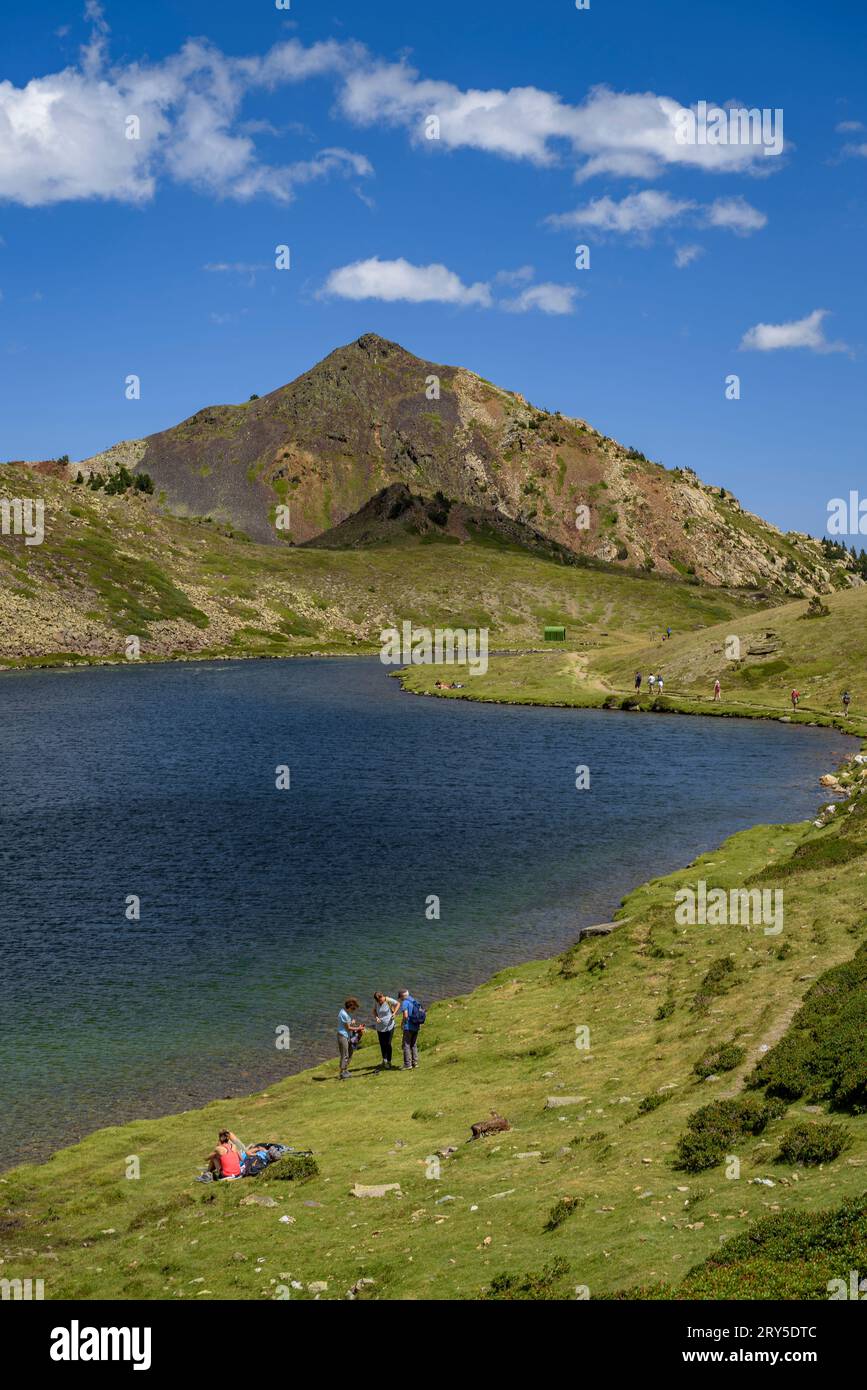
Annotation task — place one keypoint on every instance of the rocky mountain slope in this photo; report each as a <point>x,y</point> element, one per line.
<point>372,415</point>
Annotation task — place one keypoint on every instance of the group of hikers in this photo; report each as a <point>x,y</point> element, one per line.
<point>386,1012</point>
<point>655,687</point>
<point>654,683</point>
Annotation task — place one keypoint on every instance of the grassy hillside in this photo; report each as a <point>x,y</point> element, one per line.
<point>577,1194</point>
<point>820,656</point>
<point>111,566</point>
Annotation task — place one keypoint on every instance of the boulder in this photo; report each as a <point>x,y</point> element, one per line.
<point>376,1189</point>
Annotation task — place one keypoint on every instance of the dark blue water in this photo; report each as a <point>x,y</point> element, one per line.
<point>261,908</point>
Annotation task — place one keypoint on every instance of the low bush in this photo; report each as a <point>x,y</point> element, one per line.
<point>823,1055</point>
<point>538,1285</point>
<point>725,1057</point>
<point>813,1143</point>
<point>714,1129</point>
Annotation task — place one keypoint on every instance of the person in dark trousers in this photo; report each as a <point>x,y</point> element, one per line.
<point>405,1003</point>
<point>637,680</point>
<point>346,1029</point>
<point>384,1009</point>
<point>847,700</point>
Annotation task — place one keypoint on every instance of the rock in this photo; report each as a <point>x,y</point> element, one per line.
<point>319,1286</point>
<point>288,1220</point>
<point>828,780</point>
<point>445,1153</point>
<point>763,1182</point>
<point>376,1190</point>
<point>239,1256</point>
<point>553,1101</point>
<point>533,1153</point>
<point>254,1200</point>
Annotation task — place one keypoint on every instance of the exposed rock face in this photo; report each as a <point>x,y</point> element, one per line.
<point>361,420</point>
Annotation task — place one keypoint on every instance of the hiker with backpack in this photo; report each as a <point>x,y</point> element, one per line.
<point>413,1018</point>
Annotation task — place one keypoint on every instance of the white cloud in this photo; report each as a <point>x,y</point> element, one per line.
<point>844,127</point>
<point>735,214</point>
<point>548,297</point>
<point>627,134</point>
<point>400,280</point>
<point>639,214</point>
<point>807,332</point>
<point>63,136</point>
<point>859,151</point>
<point>685,255</point>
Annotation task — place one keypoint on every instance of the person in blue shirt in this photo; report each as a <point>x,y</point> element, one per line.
<point>346,1027</point>
<point>404,1006</point>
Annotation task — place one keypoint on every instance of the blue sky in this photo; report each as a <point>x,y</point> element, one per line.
<point>305,127</point>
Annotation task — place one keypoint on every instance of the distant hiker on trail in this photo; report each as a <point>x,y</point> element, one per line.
<point>717,690</point>
<point>413,1017</point>
<point>637,680</point>
<point>659,684</point>
<point>384,1009</point>
<point>668,633</point>
<point>347,1028</point>
<point>651,684</point>
<point>847,700</point>
<point>796,695</point>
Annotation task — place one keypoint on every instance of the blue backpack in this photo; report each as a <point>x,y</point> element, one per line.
<point>417,1014</point>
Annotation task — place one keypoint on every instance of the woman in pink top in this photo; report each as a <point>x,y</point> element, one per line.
<point>225,1161</point>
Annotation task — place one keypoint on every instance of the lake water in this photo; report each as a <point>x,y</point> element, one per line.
<point>262,908</point>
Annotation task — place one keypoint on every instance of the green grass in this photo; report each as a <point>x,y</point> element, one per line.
<point>595,1200</point>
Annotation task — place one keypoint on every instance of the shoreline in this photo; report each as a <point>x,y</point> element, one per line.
<point>588,931</point>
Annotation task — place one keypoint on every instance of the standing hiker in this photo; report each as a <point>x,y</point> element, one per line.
<point>384,1008</point>
<point>796,695</point>
<point>659,684</point>
<point>651,685</point>
<point>847,700</point>
<point>717,689</point>
<point>346,1029</point>
<point>637,681</point>
<point>413,1017</point>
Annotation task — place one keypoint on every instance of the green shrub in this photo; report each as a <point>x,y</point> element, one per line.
<point>716,981</point>
<point>813,1143</point>
<point>561,1210</point>
<point>725,1057</point>
<point>537,1285</point>
<point>291,1168</point>
<point>649,1103</point>
<point>665,1010</point>
<point>714,1129</point>
<point>823,1055</point>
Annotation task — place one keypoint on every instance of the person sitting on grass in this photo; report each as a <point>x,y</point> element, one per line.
<point>226,1160</point>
